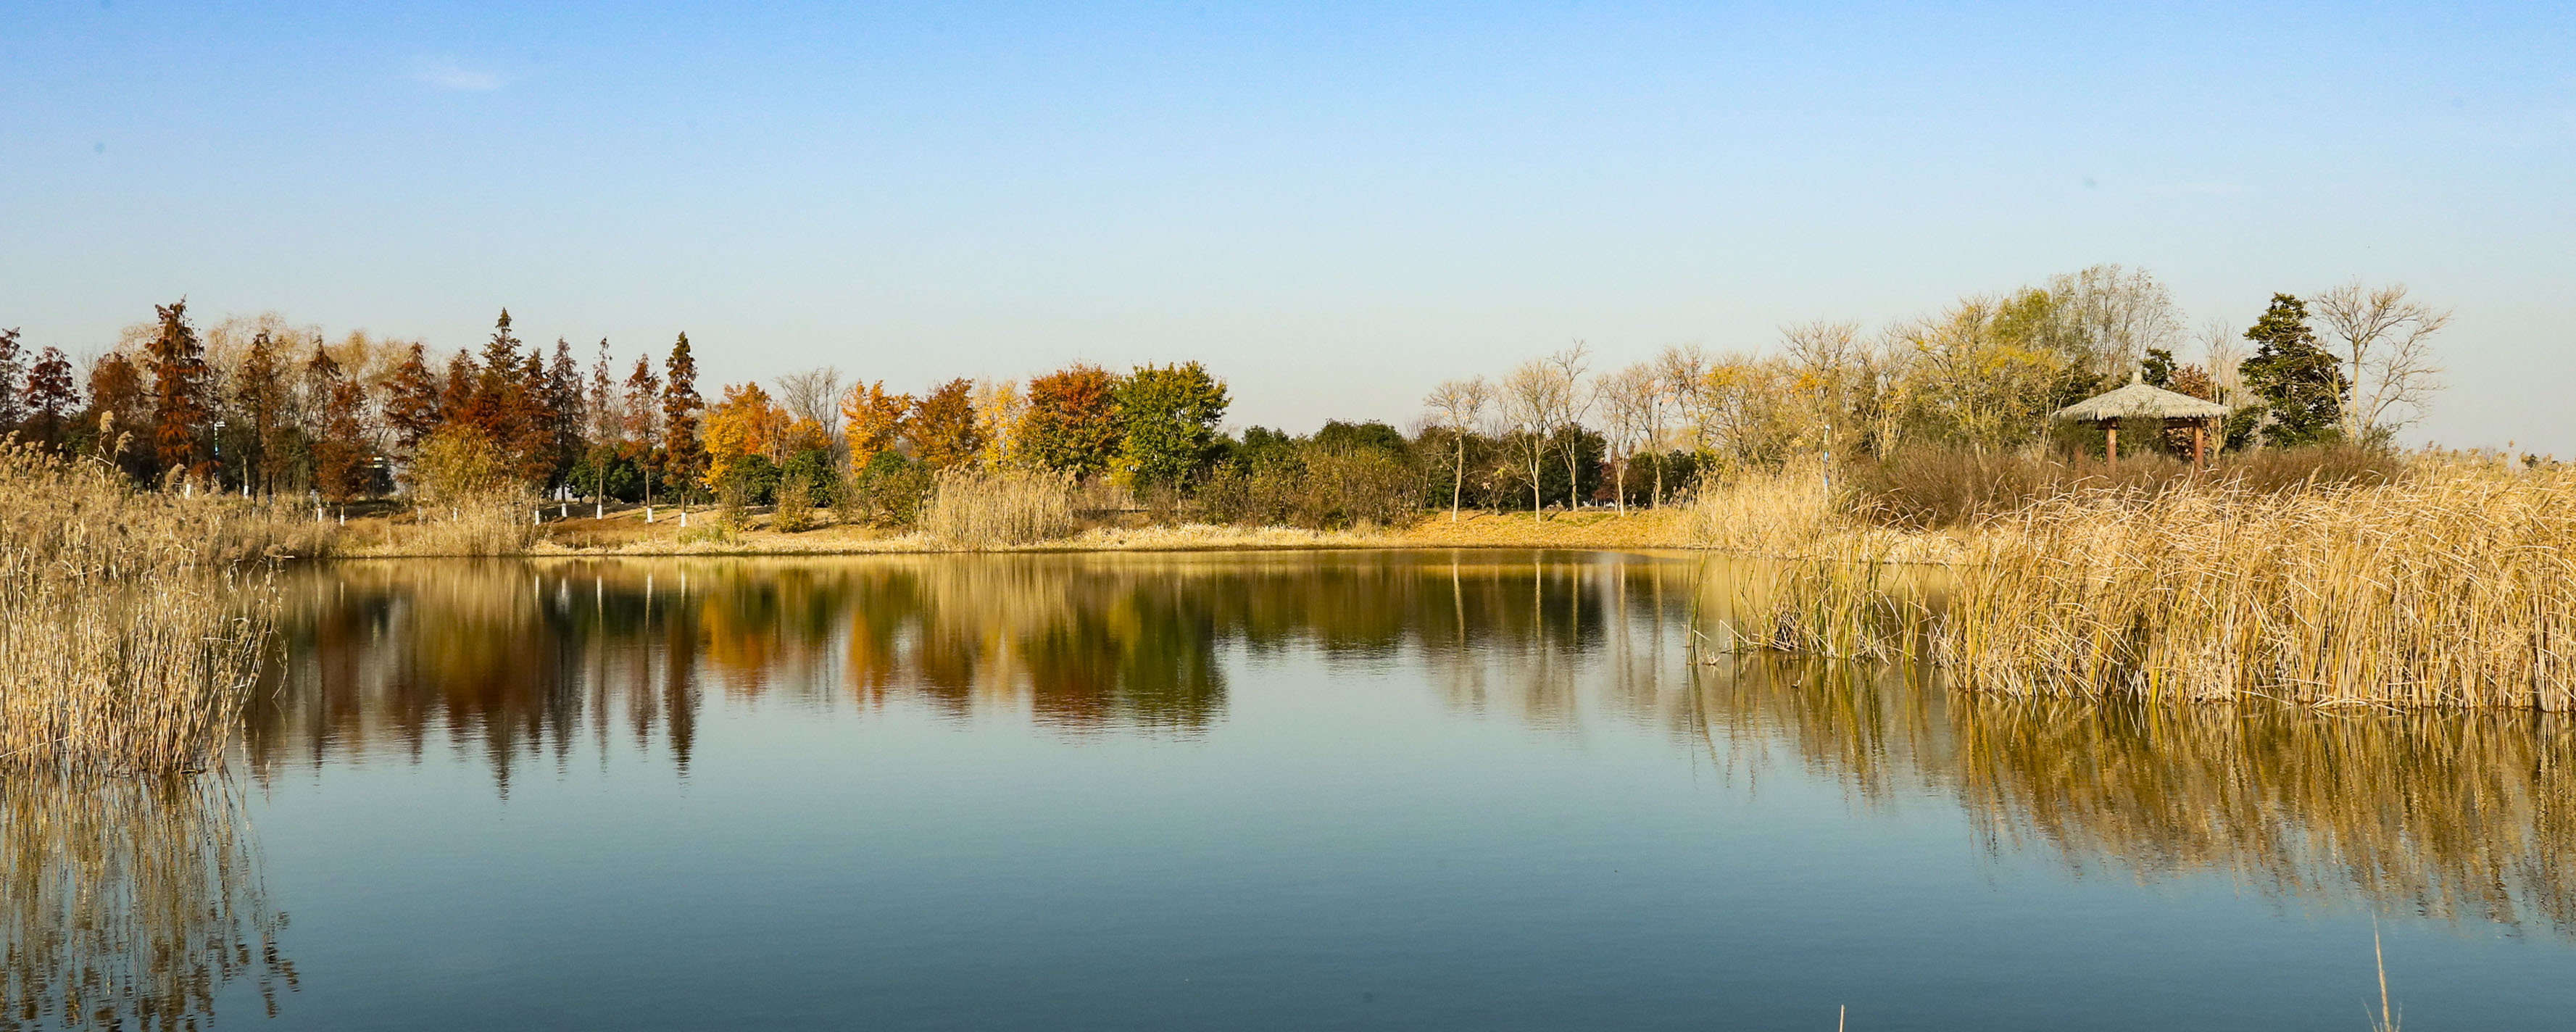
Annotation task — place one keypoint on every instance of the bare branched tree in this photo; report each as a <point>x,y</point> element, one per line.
<point>1628,403</point>
<point>2222,349</point>
<point>2115,315</point>
<point>1573,401</point>
<point>1458,406</point>
<point>2387,348</point>
<point>1531,396</point>
<point>815,394</point>
<point>1683,369</point>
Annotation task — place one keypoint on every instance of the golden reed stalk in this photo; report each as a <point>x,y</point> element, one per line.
<point>130,622</point>
<point>2453,585</point>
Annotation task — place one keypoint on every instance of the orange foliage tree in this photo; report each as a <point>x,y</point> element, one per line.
<point>944,432</point>
<point>744,422</point>
<point>872,420</point>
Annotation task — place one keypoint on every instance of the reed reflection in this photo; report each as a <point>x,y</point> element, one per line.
<point>2453,816</point>
<point>521,660</point>
<point>130,903</point>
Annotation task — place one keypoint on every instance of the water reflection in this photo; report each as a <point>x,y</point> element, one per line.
<point>518,660</point>
<point>131,903</point>
<point>2457,816</point>
<point>2452,816</point>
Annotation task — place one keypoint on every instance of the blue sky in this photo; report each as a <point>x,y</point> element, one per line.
<point>1334,207</point>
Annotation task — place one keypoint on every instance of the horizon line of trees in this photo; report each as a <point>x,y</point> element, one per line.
<point>265,407</point>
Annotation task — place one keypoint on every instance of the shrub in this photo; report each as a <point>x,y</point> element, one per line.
<point>1929,486</point>
<point>795,506</point>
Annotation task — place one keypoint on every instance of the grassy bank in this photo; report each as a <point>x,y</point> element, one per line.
<point>705,531</point>
<point>2438,581</point>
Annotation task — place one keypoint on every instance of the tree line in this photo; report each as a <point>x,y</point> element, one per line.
<point>264,407</point>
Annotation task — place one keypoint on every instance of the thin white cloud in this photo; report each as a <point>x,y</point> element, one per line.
<point>446,74</point>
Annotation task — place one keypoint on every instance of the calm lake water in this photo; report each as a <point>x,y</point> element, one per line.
<point>1476,790</point>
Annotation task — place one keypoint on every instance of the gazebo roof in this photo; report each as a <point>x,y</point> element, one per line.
<point>2137,400</point>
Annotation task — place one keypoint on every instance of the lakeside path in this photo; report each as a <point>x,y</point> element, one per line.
<point>628,535</point>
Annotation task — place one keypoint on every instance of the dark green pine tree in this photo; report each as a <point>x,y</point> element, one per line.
<point>2302,386</point>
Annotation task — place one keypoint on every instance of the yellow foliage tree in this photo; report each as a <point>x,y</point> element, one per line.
<point>872,420</point>
<point>745,423</point>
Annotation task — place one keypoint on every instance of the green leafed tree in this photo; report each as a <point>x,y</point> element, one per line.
<point>1169,415</point>
<point>2301,384</point>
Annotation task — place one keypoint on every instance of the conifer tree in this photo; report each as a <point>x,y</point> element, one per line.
<point>564,407</point>
<point>50,397</point>
<point>412,403</point>
<point>683,457</point>
<point>643,438</point>
<point>120,414</point>
<point>259,394</point>
<point>179,376</point>
<point>534,447</point>
<point>456,393</point>
<point>339,453</point>
<point>2301,384</point>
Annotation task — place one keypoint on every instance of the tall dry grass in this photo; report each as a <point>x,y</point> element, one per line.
<point>131,622</point>
<point>2454,586</point>
<point>502,523</point>
<point>984,509</point>
<point>2452,583</point>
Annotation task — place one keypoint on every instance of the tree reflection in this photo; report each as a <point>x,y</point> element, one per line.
<point>2458,815</point>
<point>518,660</point>
<point>131,903</point>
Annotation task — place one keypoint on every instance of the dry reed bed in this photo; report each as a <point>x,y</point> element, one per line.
<point>130,622</point>
<point>2293,801</point>
<point>2454,585</point>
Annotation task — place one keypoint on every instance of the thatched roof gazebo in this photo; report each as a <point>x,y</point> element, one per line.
<point>2139,401</point>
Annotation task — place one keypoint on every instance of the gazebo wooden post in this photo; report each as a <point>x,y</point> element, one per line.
<point>2111,441</point>
<point>2199,442</point>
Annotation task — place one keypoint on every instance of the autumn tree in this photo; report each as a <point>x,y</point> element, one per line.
<point>944,431</point>
<point>744,423</point>
<point>2301,384</point>
<point>643,410</point>
<point>412,403</point>
<point>1072,421</point>
<point>120,414</point>
<point>1169,416</point>
<point>493,405</point>
<point>179,382</point>
<point>999,407</point>
<point>260,398</point>
<point>564,408</point>
<point>340,452</point>
<point>50,397</point>
<point>872,421</point>
<point>683,455</point>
